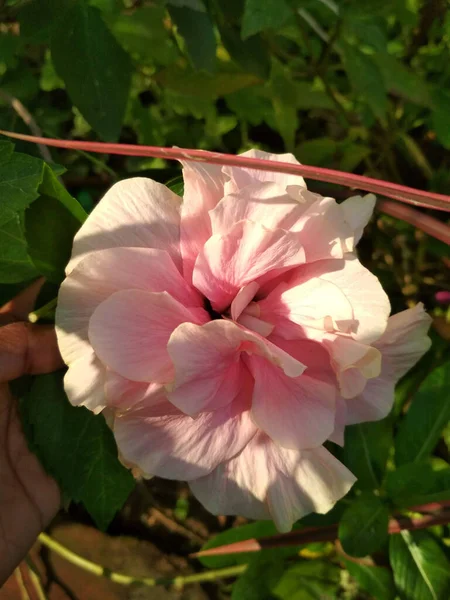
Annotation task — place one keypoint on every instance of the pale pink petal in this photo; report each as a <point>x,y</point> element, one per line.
<point>248,253</point>
<point>367,298</point>
<point>306,302</point>
<point>340,422</point>
<point>241,177</point>
<point>203,188</point>
<point>405,341</point>
<point>257,325</point>
<point>267,481</point>
<point>265,203</point>
<point>129,333</point>
<point>208,366</point>
<point>123,394</point>
<point>84,382</point>
<point>402,345</point>
<point>243,299</point>
<point>357,212</point>
<point>162,441</point>
<point>104,272</point>
<point>296,413</point>
<point>136,212</point>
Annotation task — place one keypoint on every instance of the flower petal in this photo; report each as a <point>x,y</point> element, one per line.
<point>208,366</point>
<point>267,481</point>
<point>123,394</point>
<point>357,212</point>
<point>136,212</point>
<point>84,383</point>
<point>402,345</point>
<point>101,274</point>
<point>163,441</point>
<point>240,177</point>
<point>249,252</point>
<point>296,413</point>
<point>129,333</point>
<point>203,188</point>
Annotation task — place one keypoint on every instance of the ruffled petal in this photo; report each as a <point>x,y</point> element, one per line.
<point>240,177</point>
<point>249,252</point>
<point>402,345</point>
<point>123,394</point>
<point>203,188</point>
<point>84,382</point>
<point>130,330</point>
<point>136,212</point>
<point>162,441</point>
<point>357,212</point>
<point>296,413</point>
<point>267,481</point>
<point>208,366</point>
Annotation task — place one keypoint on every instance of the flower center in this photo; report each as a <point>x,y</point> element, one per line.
<point>209,309</point>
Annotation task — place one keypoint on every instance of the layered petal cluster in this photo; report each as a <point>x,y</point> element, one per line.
<point>230,334</point>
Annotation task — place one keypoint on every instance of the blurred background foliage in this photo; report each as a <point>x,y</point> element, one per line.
<point>356,85</point>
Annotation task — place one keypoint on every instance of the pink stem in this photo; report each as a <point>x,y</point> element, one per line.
<point>392,190</point>
<point>430,225</point>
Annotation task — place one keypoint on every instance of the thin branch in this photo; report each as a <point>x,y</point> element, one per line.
<point>377,186</point>
<point>29,121</point>
<point>425,223</point>
<point>123,579</point>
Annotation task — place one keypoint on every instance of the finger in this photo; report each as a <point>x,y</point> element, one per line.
<point>19,307</point>
<point>27,349</point>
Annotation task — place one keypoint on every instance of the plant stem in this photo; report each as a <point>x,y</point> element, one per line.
<point>45,310</point>
<point>123,579</point>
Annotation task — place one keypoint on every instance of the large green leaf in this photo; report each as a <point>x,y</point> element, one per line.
<point>421,569</point>
<point>366,450</point>
<point>365,78</point>
<point>284,100</point>
<point>51,186</point>
<point>308,580</point>
<point>413,484</point>
<point>363,527</point>
<point>94,67</point>
<point>197,30</point>
<point>15,263</point>
<point>50,229</point>
<point>20,176</point>
<point>262,574</point>
<point>426,418</point>
<point>77,448</point>
<point>378,581</point>
<point>401,81</point>
<point>251,55</point>
<point>260,16</point>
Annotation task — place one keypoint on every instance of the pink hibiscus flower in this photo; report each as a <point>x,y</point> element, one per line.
<point>229,335</point>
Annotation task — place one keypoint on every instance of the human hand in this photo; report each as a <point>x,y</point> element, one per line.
<point>29,498</point>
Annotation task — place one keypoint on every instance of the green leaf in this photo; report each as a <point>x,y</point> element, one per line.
<point>310,98</point>
<point>94,67</point>
<point>284,101</point>
<point>378,581</point>
<point>440,116</point>
<point>251,55</point>
<point>262,574</point>
<point>20,176</point>
<point>308,580</point>
<point>196,28</point>
<point>426,418</point>
<point>36,18</point>
<point>421,570</point>
<point>15,264</point>
<point>260,16</point>
<point>230,536</point>
<point>366,450</point>
<point>193,4</point>
<point>319,151</point>
<point>414,484</point>
<point>52,187</point>
<point>143,35</point>
<point>202,85</point>
<point>50,229</point>
<point>77,448</point>
<point>366,79</point>
<point>400,81</point>
<point>363,528</point>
